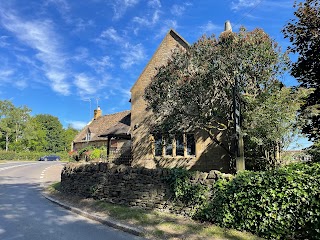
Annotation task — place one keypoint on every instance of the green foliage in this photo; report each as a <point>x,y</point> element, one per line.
<point>270,125</point>
<point>303,32</point>
<point>68,135</point>
<point>276,204</point>
<point>96,153</point>
<point>186,192</point>
<point>21,156</point>
<point>207,72</point>
<point>314,151</point>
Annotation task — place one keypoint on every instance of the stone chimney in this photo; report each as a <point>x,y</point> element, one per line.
<point>97,113</point>
<point>227,26</point>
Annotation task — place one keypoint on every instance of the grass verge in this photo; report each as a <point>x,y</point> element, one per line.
<point>154,224</point>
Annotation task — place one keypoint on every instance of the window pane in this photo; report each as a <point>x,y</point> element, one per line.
<point>179,145</point>
<point>158,145</point>
<point>168,141</point>
<point>191,145</point>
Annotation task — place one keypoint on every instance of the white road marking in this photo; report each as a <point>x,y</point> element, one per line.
<point>21,165</point>
<point>42,175</point>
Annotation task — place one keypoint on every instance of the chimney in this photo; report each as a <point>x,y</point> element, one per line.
<point>227,26</point>
<point>97,113</point>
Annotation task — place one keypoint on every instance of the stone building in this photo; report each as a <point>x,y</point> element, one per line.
<point>111,131</point>
<point>191,150</point>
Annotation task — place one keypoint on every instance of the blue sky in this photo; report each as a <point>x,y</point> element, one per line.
<point>62,57</point>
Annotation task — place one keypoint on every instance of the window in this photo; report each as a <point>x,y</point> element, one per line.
<point>178,145</point>
<point>168,145</point>
<point>191,145</point>
<point>88,136</point>
<point>158,145</point>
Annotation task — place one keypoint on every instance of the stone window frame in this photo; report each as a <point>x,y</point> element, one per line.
<point>156,137</point>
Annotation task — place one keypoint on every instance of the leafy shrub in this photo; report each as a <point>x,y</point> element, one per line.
<point>186,192</point>
<point>95,154</point>
<point>27,155</point>
<point>278,204</point>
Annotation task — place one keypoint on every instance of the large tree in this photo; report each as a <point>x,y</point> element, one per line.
<point>194,90</point>
<point>12,122</point>
<point>69,134</point>
<point>304,33</point>
<point>54,132</point>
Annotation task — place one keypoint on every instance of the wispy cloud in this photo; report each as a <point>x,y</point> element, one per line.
<point>121,6</point>
<point>133,55</point>
<point>40,36</point>
<point>77,124</point>
<point>178,10</point>
<point>85,84</point>
<point>61,5</point>
<point>244,4</point>
<point>112,34</point>
<point>154,3</point>
<point>81,54</point>
<point>148,21</point>
<point>3,41</point>
<point>21,84</point>
<point>6,74</point>
<point>100,65</point>
<point>209,28</point>
<point>130,53</point>
<point>167,24</point>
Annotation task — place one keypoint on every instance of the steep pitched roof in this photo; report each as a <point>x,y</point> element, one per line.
<point>101,125</point>
<point>122,128</point>
<point>173,34</point>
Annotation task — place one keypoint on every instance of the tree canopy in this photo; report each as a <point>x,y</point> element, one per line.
<point>304,33</point>
<point>21,132</point>
<point>194,90</point>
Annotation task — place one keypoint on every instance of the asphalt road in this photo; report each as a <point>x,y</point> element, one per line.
<point>26,214</point>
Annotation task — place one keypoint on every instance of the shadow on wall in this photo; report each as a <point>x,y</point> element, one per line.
<point>210,156</point>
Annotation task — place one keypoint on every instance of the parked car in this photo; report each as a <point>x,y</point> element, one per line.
<point>50,158</point>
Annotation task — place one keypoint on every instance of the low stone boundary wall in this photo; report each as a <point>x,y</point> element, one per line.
<point>137,187</point>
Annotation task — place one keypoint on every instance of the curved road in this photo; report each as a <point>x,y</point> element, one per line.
<point>25,214</point>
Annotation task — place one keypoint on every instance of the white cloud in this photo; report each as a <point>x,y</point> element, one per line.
<point>4,73</point>
<point>132,55</point>
<point>177,9</point>
<point>40,36</point>
<point>21,84</point>
<point>81,54</point>
<point>147,21</point>
<point>85,84</point>
<point>77,124</point>
<point>3,41</point>
<point>112,34</point>
<point>210,28</point>
<point>100,64</point>
<point>244,4</point>
<point>168,24</point>
<point>154,3</point>
<point>61,5</point>
<point>121,6</point>
<point>81,25</point>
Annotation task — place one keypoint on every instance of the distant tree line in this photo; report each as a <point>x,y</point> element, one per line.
<point>19,131</point>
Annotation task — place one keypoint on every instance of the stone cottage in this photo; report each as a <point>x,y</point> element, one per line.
<point>191,150</point>
<point>111,131</point>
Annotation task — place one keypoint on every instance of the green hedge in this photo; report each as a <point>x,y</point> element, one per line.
<point>28,156</point>
<point>277,204</point>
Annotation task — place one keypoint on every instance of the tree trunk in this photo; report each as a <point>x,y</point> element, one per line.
<point>7,142</point>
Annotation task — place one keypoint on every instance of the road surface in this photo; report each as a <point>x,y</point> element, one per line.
<point>26,214</point>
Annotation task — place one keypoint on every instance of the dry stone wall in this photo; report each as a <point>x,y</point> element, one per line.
<point>136,187</point>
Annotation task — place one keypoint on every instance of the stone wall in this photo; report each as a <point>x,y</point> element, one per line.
<point>137,187</point>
